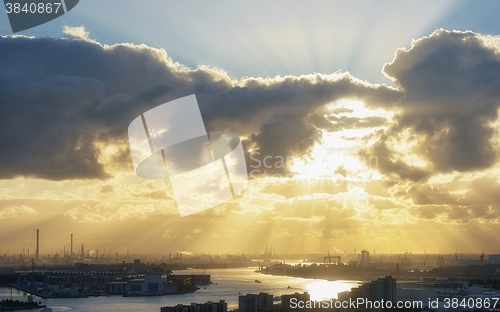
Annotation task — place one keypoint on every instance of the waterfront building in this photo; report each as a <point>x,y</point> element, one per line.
<point>209,306</point>
<point>382,288</point>
<point>416,294</point>
<point>285,299</point>
<point>255,302</point>
<point>386,289</point>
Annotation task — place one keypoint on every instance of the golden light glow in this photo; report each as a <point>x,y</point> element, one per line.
<point>338,152</point>
<point>327,289</point>
<point>356,108</point>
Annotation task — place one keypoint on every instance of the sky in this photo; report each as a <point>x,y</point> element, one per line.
<point>368,125</point>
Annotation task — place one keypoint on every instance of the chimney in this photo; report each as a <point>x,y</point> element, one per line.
<point>37,244</point>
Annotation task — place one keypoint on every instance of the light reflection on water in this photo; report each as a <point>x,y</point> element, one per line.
<point>230,283</point>
<point>321,289</point>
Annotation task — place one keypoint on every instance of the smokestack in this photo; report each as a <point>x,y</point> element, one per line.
<point>71,248</point>
<point>37,244</point>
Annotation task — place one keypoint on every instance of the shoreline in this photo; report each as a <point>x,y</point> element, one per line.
<point>22,308</point>
<point>34,293</point>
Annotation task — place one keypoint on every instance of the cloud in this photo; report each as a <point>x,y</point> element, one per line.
<point>455,198</point>
<point>339,123</point>
<point>85,214</point>
<point>451,86</point>
<point>297,188</point>
<point>383,203</point>
<point>15,211</point>
<point>76,32</point>
<point>313,208</point>
<point>107,188</point>
<point>66,101</point>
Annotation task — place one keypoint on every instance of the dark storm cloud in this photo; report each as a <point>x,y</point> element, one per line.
<point>393,167</point>
<point>451,85</point>
<point>60,96</point>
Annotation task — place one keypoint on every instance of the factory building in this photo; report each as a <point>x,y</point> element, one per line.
<point>116,288</point>
<point>136,286</point>
<point>152,283</point>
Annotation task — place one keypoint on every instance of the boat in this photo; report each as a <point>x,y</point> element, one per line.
<point>46,309</point>
<point>257,281</point>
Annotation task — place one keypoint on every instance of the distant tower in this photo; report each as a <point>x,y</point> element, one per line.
<point>71,248</point>
<point>365,257</point>
<point>83,255</point>
<point>37,257</point>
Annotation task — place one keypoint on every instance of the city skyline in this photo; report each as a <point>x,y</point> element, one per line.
<point>83,251</point>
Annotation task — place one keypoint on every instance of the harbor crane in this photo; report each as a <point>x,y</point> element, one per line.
<point>339,259</point>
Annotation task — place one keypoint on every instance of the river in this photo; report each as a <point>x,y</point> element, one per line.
<point>228,284</point>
